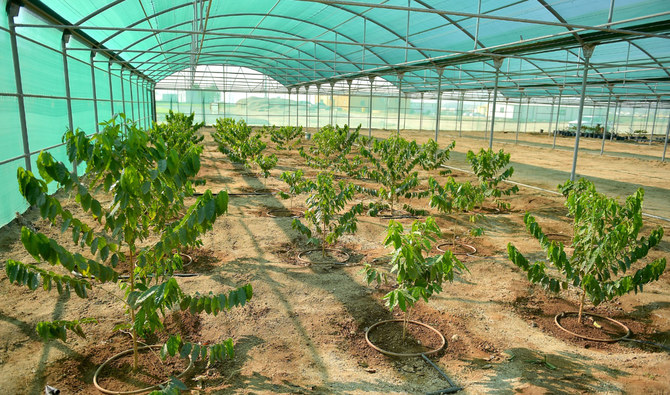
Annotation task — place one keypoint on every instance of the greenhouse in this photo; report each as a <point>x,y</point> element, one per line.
<point>335,196</point>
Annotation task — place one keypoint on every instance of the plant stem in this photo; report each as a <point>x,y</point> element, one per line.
<point>404,325</point>
<point>581,306</point>
<point>132,313</point>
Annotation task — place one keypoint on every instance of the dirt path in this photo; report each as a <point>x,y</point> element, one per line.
<point>303,332</point>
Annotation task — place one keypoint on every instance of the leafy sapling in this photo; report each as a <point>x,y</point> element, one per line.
<point>491,170</point>
<point>393,164</point>
<point>179,131</point>
<point>286,137</point>
<point>606,247</point>
<point>326,210</point>
<point>457,197</point>
<point>418,276</point>
<point>143,179</point>
<point>330,150</point>
<point>295,181</point>
<point>265,163</point>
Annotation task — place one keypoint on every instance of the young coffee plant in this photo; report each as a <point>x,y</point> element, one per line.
<point>418,276</point>
<point>142,179</point>
<point>330,150</point>
<point>392,163</point>
<point>295,181</point>
<point>178,132</point>
<point>456,197</point>
<point>237,141</point>
<point>606,246</point>
<point>326,212</point>
<point>286,137</point>
<point>265,163</point>
<point>491,169</point>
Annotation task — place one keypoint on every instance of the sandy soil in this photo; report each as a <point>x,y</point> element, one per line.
<point>304,330</point>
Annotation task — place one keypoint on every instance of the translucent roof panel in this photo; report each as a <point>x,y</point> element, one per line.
<point>299,43</point>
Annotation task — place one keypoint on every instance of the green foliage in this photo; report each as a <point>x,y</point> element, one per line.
<point>491,169</point>
<point>58,329</point>
<point>147,181</point>
<point>454,196</point>
<point>606,246</point>
<point>331,146</point>
<point>266,163</point>
<point>179,132</point>
<point>392,165</point>
<point>236,140</point>
<point>286,137</point>
<point>326,209</point>
<point>418,276</point>
<point>295,181</point>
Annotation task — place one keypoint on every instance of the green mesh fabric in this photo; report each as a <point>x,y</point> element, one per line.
<point>299,43</point>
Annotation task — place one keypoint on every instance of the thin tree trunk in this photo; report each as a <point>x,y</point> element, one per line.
<point>581,307</point>
<point>132,313</point>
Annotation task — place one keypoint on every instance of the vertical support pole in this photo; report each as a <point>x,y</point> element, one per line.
<point>518,118</point>
<point>246,107</point>
<point>440,71</point>
<point>486,123</point>
<point>130,85</point>
<point>154,114</point>
<point>665,145</point>
<point>632,119</point>
<point>646,121</point>
<point>558,114</point>
<point>525,124</point>
<point>306,108</point>
<point>653,124</point>
<point>617,111</point>
<point>318,106</point>
<point>95,95</point>
<point>460,115</point>
<point>497,62</point>
<point>372,79</point>
<point>297,106</point>
<point>123,93</point>
<point>400,75</point>
<point>607,117</point>
<point>137,92</point>
<point>202,107</point>
<point>12,12</point>
<point>66,75</point>
<point>288,123</point>
<point>111,88</point>
<point>587,52</point>
<point>332,102</point>
<point>421,113</point>
<point>551,115</point>
<point>223,89</point>
<point>349,81</point>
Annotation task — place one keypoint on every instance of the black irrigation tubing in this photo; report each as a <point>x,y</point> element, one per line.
<point>239,194</point>
<point>546,190</point>
<point>662,346</point>
<point>126,276</point>
<point>452,387</point>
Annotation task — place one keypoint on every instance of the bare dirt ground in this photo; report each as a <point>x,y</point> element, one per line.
<point>303,332</point>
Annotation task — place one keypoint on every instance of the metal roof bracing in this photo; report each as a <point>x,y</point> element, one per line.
<point>409,43</point>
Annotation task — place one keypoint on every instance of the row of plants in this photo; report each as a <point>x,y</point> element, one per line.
<point>132,212</point>
<point>606,243</point>
<point>393,164</point>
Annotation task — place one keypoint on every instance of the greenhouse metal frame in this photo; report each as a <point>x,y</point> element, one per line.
<point>71,64</point>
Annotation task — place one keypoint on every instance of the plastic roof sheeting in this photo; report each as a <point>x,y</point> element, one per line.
<point>302,42</point>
